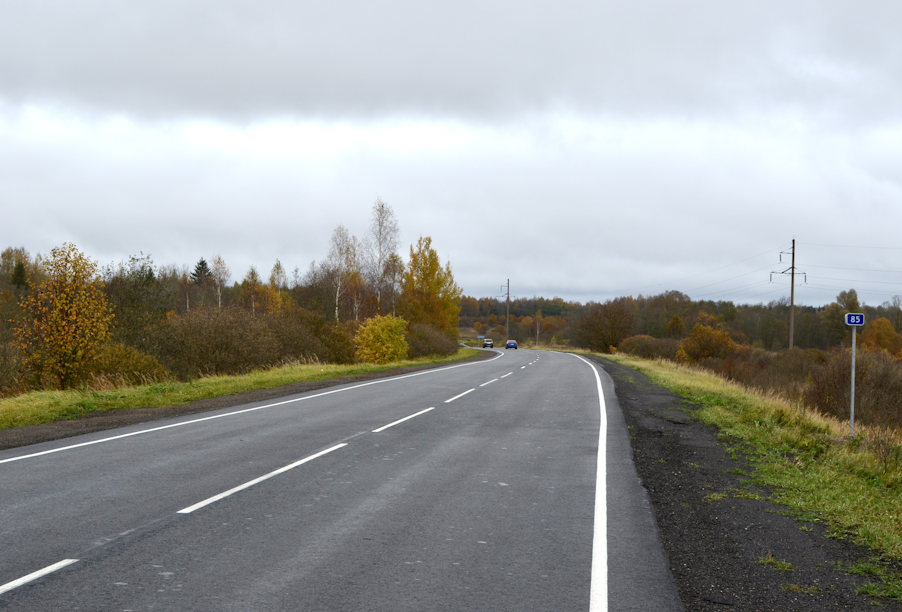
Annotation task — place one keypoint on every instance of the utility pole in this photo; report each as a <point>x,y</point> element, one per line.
<point>507,317</point>
<point>791,271</point>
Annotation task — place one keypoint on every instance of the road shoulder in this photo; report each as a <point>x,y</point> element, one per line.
<point>726,544</point>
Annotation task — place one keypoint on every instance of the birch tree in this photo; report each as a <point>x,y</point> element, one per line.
<point>379,244</point>
<point>342,263</point>
<point>220,273</point>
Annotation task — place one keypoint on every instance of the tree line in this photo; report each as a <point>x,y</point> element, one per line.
<point>66,321</point>
<point>672,314</point>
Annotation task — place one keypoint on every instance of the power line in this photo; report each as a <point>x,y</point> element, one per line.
<point>854,269</point>
<point>856,280</point>
<point>708,272</point>
<point>850,246</point>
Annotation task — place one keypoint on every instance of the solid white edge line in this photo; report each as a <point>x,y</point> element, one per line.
<point>251,483</point>
<point>9,586</point>
<point>488,383</point>
<point>384,427</point>
<point>598,591</point>
<point>448,401</point>
<point>219,416</point>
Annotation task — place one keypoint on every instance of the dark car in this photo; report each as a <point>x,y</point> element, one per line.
<point>511,344</point>
<point>488,343</point>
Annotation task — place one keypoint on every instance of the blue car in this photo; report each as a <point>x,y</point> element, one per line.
<point>511,344</point>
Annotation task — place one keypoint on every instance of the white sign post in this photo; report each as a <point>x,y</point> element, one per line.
<point>854,320</point>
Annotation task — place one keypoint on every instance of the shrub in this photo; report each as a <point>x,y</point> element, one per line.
<point>381,340</point>
<point>707,340</point>
<point>10,366</point>
<point>878,387</point>
<point>233,340</point>
<point>650,348</point>
<point>127,365</point>
<point>424,339</point>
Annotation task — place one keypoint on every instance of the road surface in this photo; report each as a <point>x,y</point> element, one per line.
<point>505,484</point>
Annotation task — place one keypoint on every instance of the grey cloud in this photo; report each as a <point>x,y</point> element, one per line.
<point>242,60</point>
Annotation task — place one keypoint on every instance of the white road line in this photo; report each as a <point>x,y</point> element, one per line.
<point>598,590</point>
<point>448,401</point>
<point>228,414</point>
<point>506,375</point>
<point>384,427</point>
<point>251,483</point>
<point>488,383</point>
<point>522,367</point>
<point>9,586</point>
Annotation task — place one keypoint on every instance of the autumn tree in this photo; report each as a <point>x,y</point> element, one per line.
<point>380,243</point>
<point>708,339</point>
<point>879,334</point>
<point>428,292</point>
<point>676,327</point>
<point>138,298</point>
<point>67,319</point>
<point>255,296</point>
<point>278,279</point>
<point>342,263</point>
<point>606,325</point>
<point>220,274</point>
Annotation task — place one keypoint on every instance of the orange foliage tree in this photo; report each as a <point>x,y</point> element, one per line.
<point>708,339</point>
<point>880,334</point>
<point>66,319</point>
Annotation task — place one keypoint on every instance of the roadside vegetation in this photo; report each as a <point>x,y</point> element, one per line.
<point>39,407</point>
<point>75,337</point>
<point>803,455</point>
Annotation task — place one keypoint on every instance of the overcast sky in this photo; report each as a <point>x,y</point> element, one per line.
<point>582,149</point>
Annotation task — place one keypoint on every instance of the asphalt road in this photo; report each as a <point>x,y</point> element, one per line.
<point>479,486</point>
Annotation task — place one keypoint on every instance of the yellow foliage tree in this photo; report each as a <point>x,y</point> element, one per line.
<point>381,340</point>
<point>708,339</point>
<point>428,292</point>
<point>66,318</point>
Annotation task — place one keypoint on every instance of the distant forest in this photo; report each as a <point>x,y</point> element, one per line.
<point>673,314</point>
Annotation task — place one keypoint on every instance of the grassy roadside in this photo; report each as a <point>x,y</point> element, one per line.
<point>49,406</point>
<point>804,457</point>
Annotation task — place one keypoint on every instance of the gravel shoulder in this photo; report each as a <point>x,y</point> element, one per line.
<point>714,531</point>
<point>101,421</point>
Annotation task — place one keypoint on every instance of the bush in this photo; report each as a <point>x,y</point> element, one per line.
<point>124,365</point>
<point>10,368</point>
<point>878,387</point>
<point>707,340</point>
<point>233,340</point>
<point>381,340</point>
<point>424,340</point>
<point>650,348</point>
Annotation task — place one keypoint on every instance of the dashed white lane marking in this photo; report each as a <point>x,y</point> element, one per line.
<point>9,586</point>
<point>228,414</point>
<point>251,483</point>
<point>506,375</point>
<point>598,590</point>
<point>384,427</point>
<point>488,383</point>
<point>522,367</point>
<point>448,401</point>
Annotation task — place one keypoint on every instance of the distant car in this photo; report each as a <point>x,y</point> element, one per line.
<point>487,343</point>
<point>511,344</point>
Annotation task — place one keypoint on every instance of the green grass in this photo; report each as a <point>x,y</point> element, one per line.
<point>890,580</point>
<point>775,564</point>
<point>48,406</point>
<point>802,456</point>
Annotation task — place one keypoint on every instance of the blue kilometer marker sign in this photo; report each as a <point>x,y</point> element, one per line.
<point>854,318</point>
